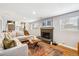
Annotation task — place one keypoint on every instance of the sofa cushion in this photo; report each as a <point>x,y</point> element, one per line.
<point>16,33</point>
<point>19,33</point>
<point>1,47</point>
<point>13,34</point>
<point>19,50</point>
<point>1,38</point>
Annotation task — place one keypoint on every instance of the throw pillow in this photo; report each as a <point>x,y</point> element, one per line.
<point>7,42</point>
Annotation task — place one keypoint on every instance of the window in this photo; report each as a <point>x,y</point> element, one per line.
<point>48,22</point>
<point>71,23</point>
<point>44,23</point>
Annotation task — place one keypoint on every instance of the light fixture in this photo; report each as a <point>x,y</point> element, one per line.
<point>24,17</point>
<point>34,12</point>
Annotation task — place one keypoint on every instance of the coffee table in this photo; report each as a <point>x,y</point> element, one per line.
<point>31,43</point>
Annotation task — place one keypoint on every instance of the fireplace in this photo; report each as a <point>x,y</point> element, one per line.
<point>47,34</point>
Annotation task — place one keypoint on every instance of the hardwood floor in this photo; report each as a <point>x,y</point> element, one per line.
<point>44,49</point>
<point>48,50</point>
<point>66,51</point>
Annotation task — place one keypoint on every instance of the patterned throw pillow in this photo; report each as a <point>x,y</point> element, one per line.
<point>8,42</point>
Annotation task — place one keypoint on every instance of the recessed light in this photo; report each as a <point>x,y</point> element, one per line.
<point>34,12</point>
<point>24,17</point>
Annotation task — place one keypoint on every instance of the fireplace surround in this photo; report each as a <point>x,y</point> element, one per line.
<point>47,34</point>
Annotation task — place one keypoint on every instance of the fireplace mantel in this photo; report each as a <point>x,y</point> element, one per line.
<point>47,27</point>
<point>47,33</point>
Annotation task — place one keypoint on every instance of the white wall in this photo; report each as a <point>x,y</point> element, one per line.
<point>68,38</point>
<point>16,18</point>
<point>35,28</point>
<point>0,24</point>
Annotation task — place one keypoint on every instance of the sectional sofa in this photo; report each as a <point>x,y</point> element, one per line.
<point>19,50</point>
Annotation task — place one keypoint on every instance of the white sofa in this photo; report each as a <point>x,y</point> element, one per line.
<point>30,37</point>
<point>19,50</point>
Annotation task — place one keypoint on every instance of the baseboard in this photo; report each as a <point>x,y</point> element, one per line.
<point>67,46</point>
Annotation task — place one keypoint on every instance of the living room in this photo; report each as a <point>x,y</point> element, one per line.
<point>39,29</point>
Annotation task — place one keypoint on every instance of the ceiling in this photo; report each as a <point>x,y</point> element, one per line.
<point>33,11</point>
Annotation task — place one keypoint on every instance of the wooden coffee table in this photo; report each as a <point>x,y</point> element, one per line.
<point>31,43</point>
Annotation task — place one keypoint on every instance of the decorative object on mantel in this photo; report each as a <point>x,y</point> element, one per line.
<point>8,42</point>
